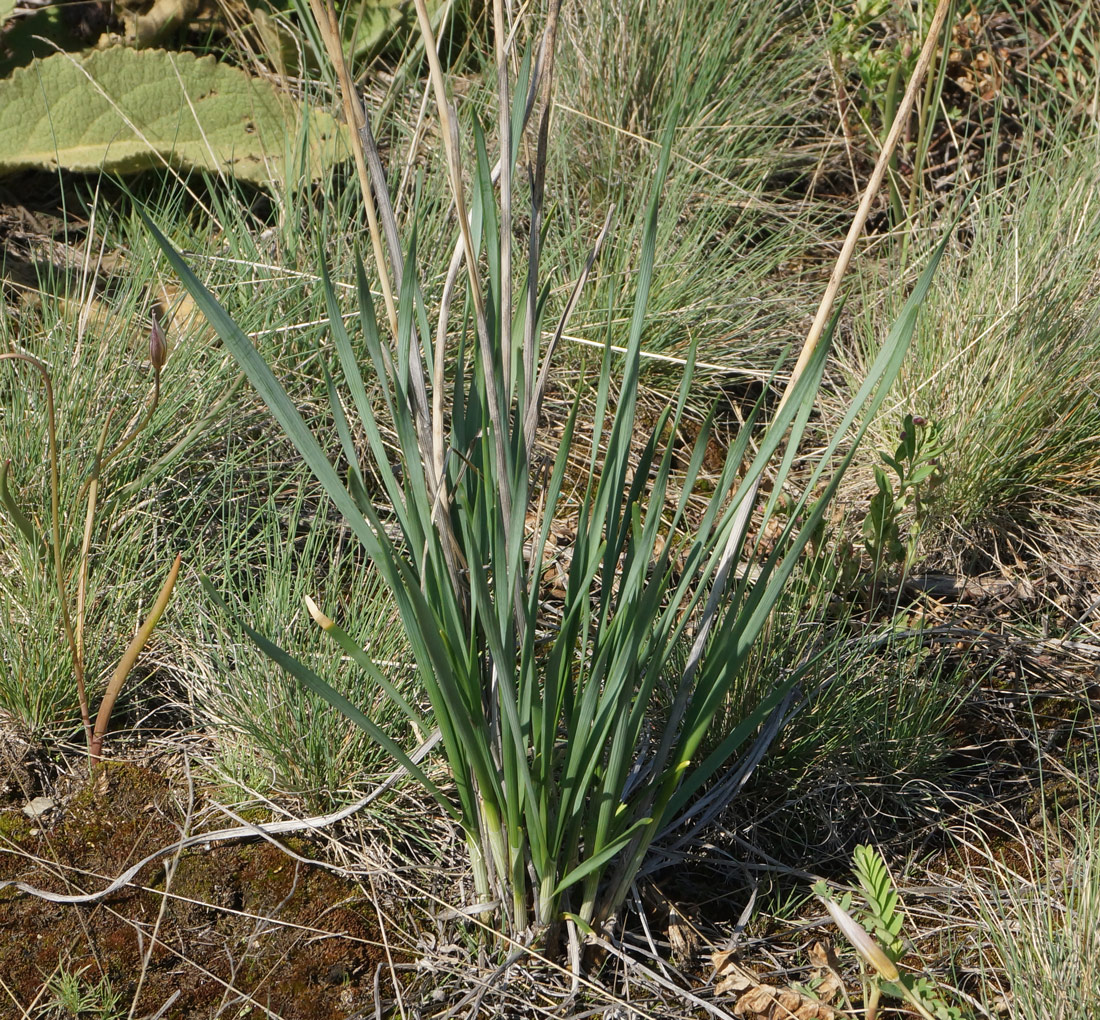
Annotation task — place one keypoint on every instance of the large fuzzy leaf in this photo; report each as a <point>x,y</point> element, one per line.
<point>366,26</point>
<point>126,110</point>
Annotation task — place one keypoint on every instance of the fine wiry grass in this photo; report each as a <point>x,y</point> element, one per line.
<point>94,342</point>
<point>1006,361</point>
<point>732,201</point>
<point>271,553</point>
<point>735,211</point>
<point>180,486</point>
<point>1038,901</point>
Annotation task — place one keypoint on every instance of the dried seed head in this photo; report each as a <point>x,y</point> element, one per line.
<point>158,343</point>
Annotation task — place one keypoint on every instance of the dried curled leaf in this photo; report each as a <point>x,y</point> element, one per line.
<point>766,1002</point>
<point>757,1000</point>
<point>825,978</point>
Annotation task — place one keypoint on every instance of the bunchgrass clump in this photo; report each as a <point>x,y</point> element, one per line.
<point>1006,362</point>
<point>1038,905</point>
<point>272,552</point>
<point>59,525</point>
<point>566,755</point>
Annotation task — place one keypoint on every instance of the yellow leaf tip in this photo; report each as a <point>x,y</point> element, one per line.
<point>319,618</point>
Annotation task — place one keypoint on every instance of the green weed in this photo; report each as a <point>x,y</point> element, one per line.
<point>917,465</point>
<point>877,937</point>
<point>558,803</point>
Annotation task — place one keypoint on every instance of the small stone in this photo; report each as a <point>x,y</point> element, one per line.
<point>39,806</point>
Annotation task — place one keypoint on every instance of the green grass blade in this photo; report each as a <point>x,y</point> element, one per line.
<point>357,654</point>
<point>598,860</point>
<point>270,390</point>
<point>311,681</point>
<point>19,519</point>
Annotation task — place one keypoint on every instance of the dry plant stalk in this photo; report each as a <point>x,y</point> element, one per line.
<point>74,624</point>
<point>874,183</point>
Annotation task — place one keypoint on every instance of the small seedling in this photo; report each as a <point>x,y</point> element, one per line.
<point>917,467</point>
<point>54,552</point>
<point>877,937</point>
<point>73,995</point>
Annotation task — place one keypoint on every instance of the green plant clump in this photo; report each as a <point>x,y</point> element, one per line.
<point>48,544</point>
<point>918,466</point>
<point>568,751</point>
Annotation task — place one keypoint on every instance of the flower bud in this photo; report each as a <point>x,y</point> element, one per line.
<point>158,344</point>
<point>919,420</point>
<point>866,946</point>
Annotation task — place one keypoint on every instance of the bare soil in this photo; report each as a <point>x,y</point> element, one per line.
<point>233,930</point>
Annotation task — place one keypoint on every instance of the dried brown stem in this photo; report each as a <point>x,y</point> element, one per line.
<point>126,663</point>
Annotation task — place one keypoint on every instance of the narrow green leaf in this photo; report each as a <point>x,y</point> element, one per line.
<point>272,392</point>
<point>597,861</point>
<point>342,429</point>
<point>923,472</point>
<point>359,656</point>
<point>19,519</point>
<point>732,643</point>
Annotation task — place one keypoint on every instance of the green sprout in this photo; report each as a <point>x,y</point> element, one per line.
<point>877,936</point>
<point>917,466</point>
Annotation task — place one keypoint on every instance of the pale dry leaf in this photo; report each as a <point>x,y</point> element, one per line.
<point>180,314</point>
<point>757,1000</point>
<point>735,979</point>
<point>828,985</point>
<point>163,17</point>
<point>766,1002</point>
<point>682,938</point>
<point>721,959</point>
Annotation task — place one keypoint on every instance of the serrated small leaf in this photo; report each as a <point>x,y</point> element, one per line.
<point>125,110</point>
<point>882,899</point>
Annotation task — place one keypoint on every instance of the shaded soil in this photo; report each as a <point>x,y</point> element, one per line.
<point>235,929</point>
